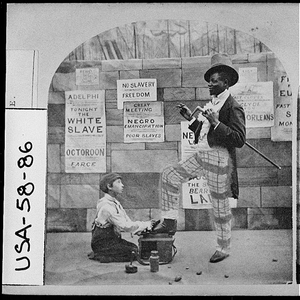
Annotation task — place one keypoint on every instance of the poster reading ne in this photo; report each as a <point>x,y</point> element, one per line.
<point>85,133</point>
<point>136,90</point>
<point>143,122</point>
<point>257,100</point>
<point>195,192</point>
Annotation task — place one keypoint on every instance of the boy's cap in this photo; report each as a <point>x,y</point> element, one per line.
<point>108,179</point>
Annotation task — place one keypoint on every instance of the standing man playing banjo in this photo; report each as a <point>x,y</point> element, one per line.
<point>219,130</point>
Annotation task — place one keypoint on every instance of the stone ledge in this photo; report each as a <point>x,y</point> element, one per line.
<point>165,77</point>
<point>66,220</point>
<point>270,218</point>
<point>276,196</point>
<point>119,64</point>
<point>137,161</point>
<point>161,63</point>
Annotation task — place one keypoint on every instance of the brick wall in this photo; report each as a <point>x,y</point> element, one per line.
<point>265,192</point>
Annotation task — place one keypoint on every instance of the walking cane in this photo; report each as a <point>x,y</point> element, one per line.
<point>198,108</point>
<point>261,154</point>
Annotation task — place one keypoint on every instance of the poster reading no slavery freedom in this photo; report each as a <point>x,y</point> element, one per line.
<point>85,133</point>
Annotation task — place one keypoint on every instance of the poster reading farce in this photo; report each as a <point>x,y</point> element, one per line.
<point>143,122</point>
<point>85,133</point>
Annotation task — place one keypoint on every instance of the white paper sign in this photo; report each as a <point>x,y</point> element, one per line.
<point>85,136</point>
<point>195,193</point>
<point>143,122</point>
<point>282,129</point>
<point>257,100</point>
<point>248,74</point>
<point>21,78</point>
<point>87,76</point>
<point>187,140</point>
<point>136,90</point>
<point>24,197</point>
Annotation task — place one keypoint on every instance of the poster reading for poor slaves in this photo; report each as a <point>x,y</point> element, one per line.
<point>143,122</point>
<point>136,90</point>
<point>195,193</point>
<point>85,133</point>
<point>257,100</point>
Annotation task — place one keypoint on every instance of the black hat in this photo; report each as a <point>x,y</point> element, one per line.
<point>108,179</point>
<point>222,63</point>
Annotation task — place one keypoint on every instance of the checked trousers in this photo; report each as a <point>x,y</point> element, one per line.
<point>215,165</point>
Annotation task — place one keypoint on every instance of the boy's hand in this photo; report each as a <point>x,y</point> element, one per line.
<point>154,223</point>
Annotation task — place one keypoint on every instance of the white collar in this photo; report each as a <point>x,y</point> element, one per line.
<point>222,96</point>
<point>109,197</point>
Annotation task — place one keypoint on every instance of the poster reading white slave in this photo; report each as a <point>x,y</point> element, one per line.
<point>85,133</point>
<point>257,100</point>
<point>143,122</point>
<point>282,129</point>
<point>136,90</point>
<point>195,193</point>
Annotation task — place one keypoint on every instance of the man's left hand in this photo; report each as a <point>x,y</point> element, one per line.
<point>211,116</point>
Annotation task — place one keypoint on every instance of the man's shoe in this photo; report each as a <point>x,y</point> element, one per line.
<point>218,256</point>
<point>167,226</point>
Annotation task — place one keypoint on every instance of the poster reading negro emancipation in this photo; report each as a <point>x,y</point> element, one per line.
<point>143,122</point>
<point>85,133</point>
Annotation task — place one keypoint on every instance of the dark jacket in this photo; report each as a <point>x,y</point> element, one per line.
<point>230,134</point>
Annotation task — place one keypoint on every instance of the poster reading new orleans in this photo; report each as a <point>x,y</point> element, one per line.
<point>257,100</point>
<point>85,133</point>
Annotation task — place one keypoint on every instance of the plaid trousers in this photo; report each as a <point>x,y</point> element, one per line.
<point>215,165</point>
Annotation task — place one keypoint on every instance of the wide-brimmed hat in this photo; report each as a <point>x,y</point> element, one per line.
<point>222,63</point>
<point>108,179</point>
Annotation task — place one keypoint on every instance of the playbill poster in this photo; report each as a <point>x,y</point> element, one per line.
<point>143,122</point>
<point>195,193</point>
<point>136,90</point>
<point>257,100</point>
<point>85,135</point>
<point>282,129</point>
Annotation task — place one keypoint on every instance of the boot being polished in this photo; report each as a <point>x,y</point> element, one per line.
<point>167,226</point>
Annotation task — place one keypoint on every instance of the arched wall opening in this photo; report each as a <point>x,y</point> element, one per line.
<point>176,53</point>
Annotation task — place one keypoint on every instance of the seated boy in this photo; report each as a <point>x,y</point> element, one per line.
<point>111,219</point>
